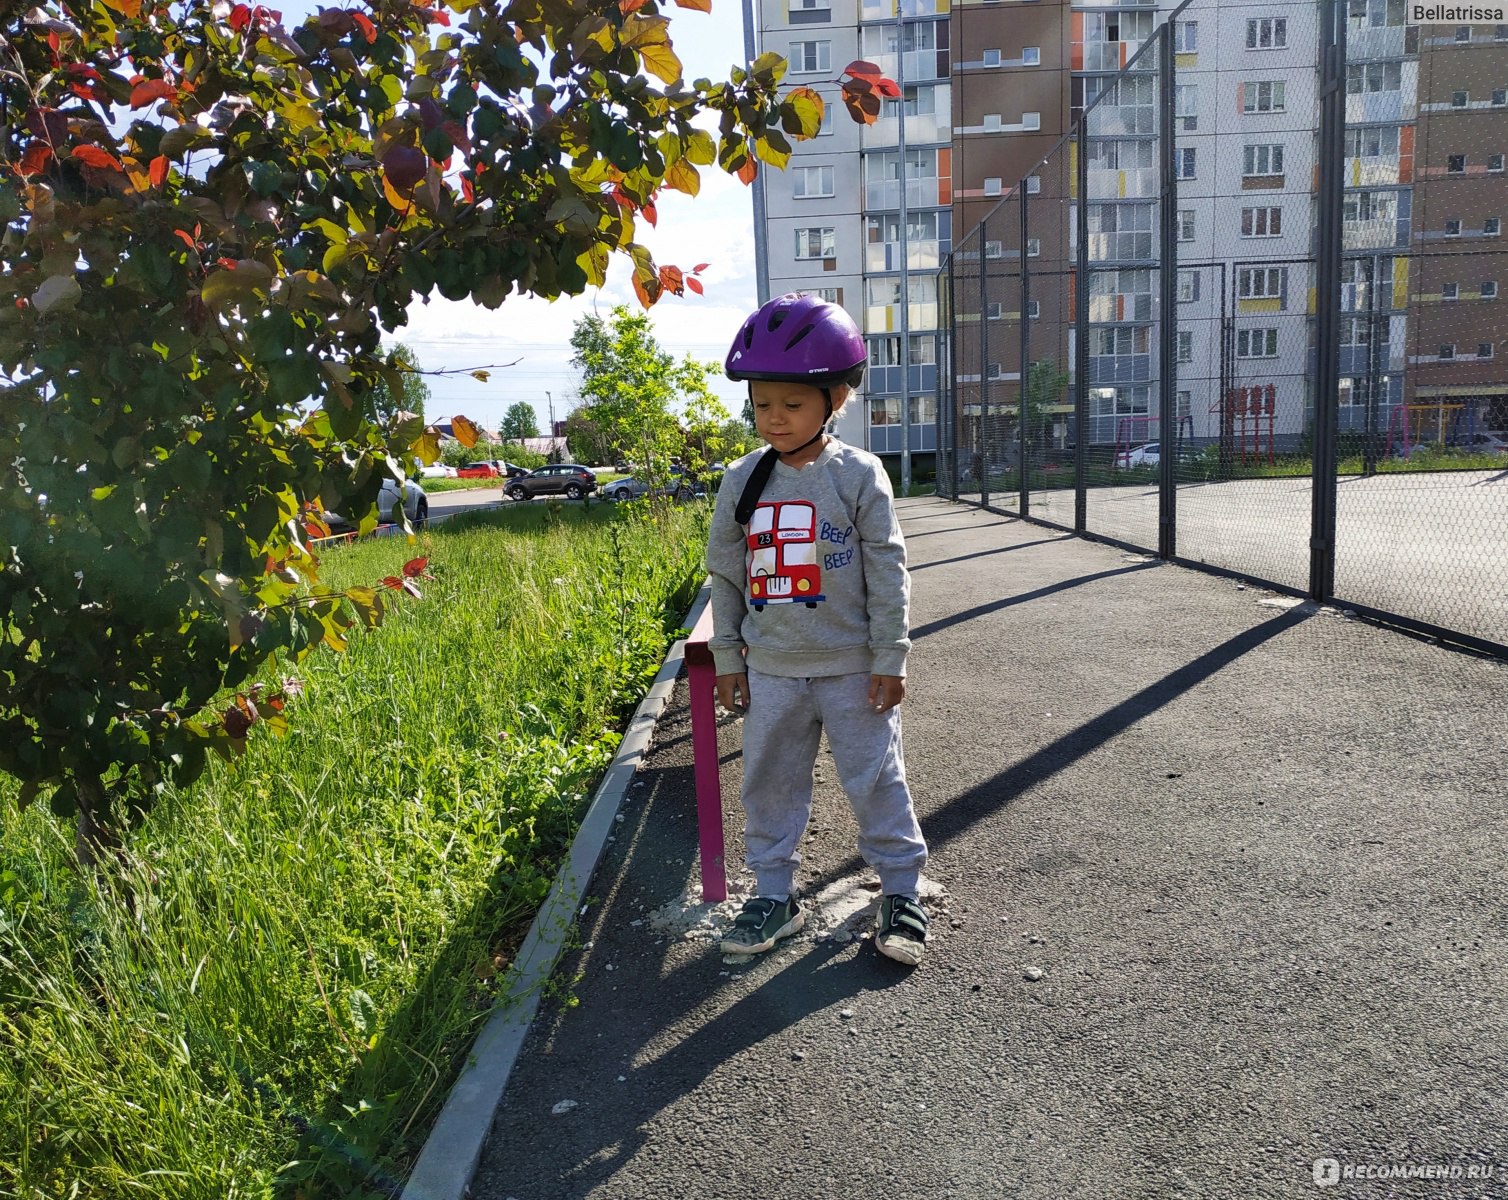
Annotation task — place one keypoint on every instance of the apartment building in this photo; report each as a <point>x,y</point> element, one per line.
<point>990,89</point>
<point>1456,383</point>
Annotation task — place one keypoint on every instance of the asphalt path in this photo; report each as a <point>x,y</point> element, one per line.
<point>1219,903</point>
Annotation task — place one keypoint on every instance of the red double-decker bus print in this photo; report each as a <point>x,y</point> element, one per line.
<point>782,542</point>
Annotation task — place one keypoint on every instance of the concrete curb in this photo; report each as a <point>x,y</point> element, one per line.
<point>448,1162</point>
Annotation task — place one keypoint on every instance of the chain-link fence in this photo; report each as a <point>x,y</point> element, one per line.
<point>1247,314</point>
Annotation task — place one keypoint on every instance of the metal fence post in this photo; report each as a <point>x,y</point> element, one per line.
<point>984,371</point>
<point>1167,407</point>
<point>1081,334</point>
<point>1328,251</point>
<point>1022,439</point>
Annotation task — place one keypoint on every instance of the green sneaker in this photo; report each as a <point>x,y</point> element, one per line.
<point>902,930</point>
<point>762,923</point>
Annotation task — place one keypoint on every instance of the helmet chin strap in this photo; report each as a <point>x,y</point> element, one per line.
<point>827,398</point>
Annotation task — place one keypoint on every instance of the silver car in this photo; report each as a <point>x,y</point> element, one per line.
<point>415,506</point>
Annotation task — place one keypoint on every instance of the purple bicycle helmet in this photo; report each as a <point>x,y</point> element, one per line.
<point>798,339</point>
<point>794,339</point>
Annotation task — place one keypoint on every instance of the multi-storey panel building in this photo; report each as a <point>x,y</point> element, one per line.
<point>991,87</point>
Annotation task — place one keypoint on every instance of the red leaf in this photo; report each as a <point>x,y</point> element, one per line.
<point>187,240</point>
<point>862,101</point>
<point>629,6</point>
<point>393,582</point>
<point>862,68</point>
<point>435,16</point>
<point>458,136</point>
<point>648,290</point>
<point>749,171</point>
<point>48,124</point>
<point>35,159</point>
<point>415,566</point>
<point>694,284</point>
<point>363,23</point>
<point>240,17</point>
<point>468,192</point>
<point>699,268</point>
<point>887,87</point>
<point>152,89</point>
<point>93,156</point>
<point>650,213</point>
<point>158,172</point>
<point>673,281</point>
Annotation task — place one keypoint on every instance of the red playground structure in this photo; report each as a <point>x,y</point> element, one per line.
<point>1248,422</point>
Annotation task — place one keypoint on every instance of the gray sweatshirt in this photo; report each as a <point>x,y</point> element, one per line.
<point>817,584</point>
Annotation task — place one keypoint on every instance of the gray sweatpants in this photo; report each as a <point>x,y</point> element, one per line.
<point>782,730</point>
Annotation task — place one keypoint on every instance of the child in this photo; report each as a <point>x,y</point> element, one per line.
<point>809,596</point>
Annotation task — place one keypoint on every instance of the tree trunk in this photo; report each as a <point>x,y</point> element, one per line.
<point>90,836</point>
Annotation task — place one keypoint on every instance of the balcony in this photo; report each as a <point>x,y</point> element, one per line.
<point>922,254</point>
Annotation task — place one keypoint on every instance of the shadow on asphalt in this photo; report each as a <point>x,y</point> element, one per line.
<point>968,809</point>
<point>985,610</point>
<point>943,562</point>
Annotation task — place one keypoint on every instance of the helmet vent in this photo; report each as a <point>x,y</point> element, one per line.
<point>749,334</point>
<point>800,333</point>
<point>777,318</point>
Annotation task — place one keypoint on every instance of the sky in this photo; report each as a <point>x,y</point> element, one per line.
<point>716,227</point>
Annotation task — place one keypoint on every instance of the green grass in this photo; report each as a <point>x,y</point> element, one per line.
<point>273,995</point>
<point>431,486</point>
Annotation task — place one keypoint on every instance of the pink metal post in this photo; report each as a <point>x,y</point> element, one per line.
<point>702,679</point>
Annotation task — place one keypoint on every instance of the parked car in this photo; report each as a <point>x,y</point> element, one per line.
<point>627,488</point>
<point>478,470</point>
<point>437,471</point>
<point>1149,455</point>
<point>415,506</point>
<point>570,480</point>
<point>1482,443</point>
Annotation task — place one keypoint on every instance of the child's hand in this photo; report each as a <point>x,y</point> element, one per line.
<point>733,691</point>
<point>885,692</point>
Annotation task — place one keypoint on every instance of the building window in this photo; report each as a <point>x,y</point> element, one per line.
<point>1484,349</point>
<point>1260,283</point>
<point>1447,352</point>
<point>1185,346</point>
<point>994,250</point>
<point>996,371</point>
<point>1266,33</point>
<point>1264,159</point>
<point>1494,162</point>
<point>1110,343</point>
<point>992,185</point>
<point>1458,99</point>
<point>885,411</point>
<point>1369,206</point>
<point>1491,227</point>
<point>1256,343</point>
<point>1033,184</point>
<point>1500,33</point>
<point>810,5</point>
<point>1355,331</point>
<point>885,352</point>
<point>831,295</point>
<point>812,182</point>
<point>1185,37</point>
<point>1261,222</point>
<point>1450,291</point>
<point>1489,290</point>
<point>1453,228</point>
<point>1455,164</point>
<point>1499,97</point>
<point>1186,106</point>
<point>811,56</point>
<point>816,243</point>
<point>1031,120</point>
<point>1188,286</point>
<point>1031,56</point>
<point>1034,310</point>
<point>1463,33</point>
<point>1033,247</point>
<point>1373,77</point>
<point>1375,142</point>
<point>992,58</point>
<point>995,311</point>
<point>1262,96</point>
<point>1185,161</point>
<point>1185,224</point>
